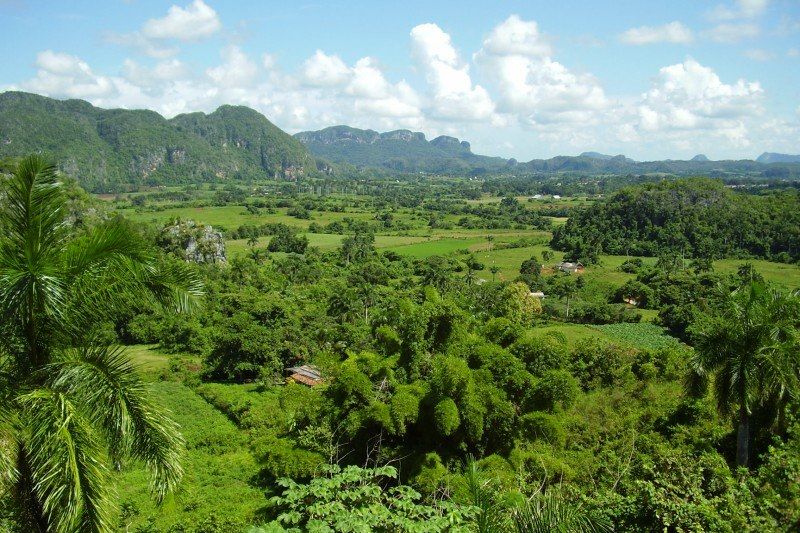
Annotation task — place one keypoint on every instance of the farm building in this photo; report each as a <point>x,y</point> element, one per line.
<point>308,375</point>
<point>570,268</point>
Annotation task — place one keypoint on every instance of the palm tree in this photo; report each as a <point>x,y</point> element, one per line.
<point>751,350</point>
<point>549,512</point>
<point>70,408</point>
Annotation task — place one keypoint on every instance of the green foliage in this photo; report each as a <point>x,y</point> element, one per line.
<point>110,148</point>
<point>538,426</point>
<point>541,353</point>
<point>502,331</point>
<point>446,416</point>
<point>76,404</point>
<point>555,389</point>
<point>353,499</point>
<point>601,364</point>
<point>697,218</point>
<point>284,239</point>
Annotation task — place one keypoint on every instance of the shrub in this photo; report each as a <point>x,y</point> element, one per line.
<point>404,409</point>
<point>180,333</point>
<point>555,389</point>
<point>355,499</point>
<point>281,458</point>
<point>541,353</point>
<point>501,331</point>
<point>601,364</point>
<point>538,426</point>
<point>446,417</point>
<point>387,340</point>
<point>143,329</point>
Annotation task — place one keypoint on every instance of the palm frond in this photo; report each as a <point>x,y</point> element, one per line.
<point>105,381</point>
<point>549,512</point>
<point>69,469</point>
<point>482,496</point>
<point>102,247</point>
<point>175,285</point>
<point>9,447</point>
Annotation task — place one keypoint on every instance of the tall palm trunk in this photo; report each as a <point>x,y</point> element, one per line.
<point>743,437</point>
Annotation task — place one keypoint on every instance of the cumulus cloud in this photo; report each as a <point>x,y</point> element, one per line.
<point>269,61</point>
<point>453,95</point>
<point>168,70</point>
<point>674,32</point>
<point>517,37</point>
<point>236,69</point>
<point>688,97</point>
<point>323,70</point>
<point>67,75</point>
<point>195,21</point>
<point>532,86</point>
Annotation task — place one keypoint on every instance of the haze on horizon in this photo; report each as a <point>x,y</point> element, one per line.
<point>516,79</point>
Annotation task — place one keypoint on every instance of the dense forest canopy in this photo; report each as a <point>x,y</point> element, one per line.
<point>694,218</point>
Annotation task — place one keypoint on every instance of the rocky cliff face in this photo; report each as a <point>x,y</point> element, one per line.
<point>193,242</point>
<point>451,144</point>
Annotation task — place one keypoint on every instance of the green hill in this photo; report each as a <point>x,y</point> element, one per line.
<point>107,149</point>
<point>399,150</point>
<point>690,217</point>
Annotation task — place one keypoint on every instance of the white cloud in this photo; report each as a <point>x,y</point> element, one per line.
<point>532,86</point>
<point>454,97</point>
<point>190,23</point>
<point>373,94</point>
<point>674,32</point>
<point>517,37</point>
<point>793,52</point>
<point>169,70</point>
<point>741,9</point>
<point>269,61</point>
<point>323,70</point>
<point>67,75</point>
<point>733,33</point>
<point>689,97</point>
<point>236,70</point>
<point>758,54</point>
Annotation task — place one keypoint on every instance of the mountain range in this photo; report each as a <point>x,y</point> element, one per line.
<point>104,148</point>
<point>110,149</point>
<point>408,151</point>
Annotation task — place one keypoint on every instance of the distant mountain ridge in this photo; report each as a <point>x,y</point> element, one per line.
<point>771,157</point>
<point>407,151</point>
<point>104,148</point>
<point>112,149</point>
<point>401,150</point>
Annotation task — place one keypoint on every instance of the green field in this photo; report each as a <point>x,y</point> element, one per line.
<point>216,493</point>
<point>435,247</point>
<point>638,335</point>
<point>328,241</point>
<point>233,216</point>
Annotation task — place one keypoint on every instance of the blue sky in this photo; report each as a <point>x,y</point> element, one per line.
<point>530,79</point>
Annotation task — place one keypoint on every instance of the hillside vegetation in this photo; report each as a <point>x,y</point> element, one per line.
<point>694,218</point>
<point>109,149</point>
